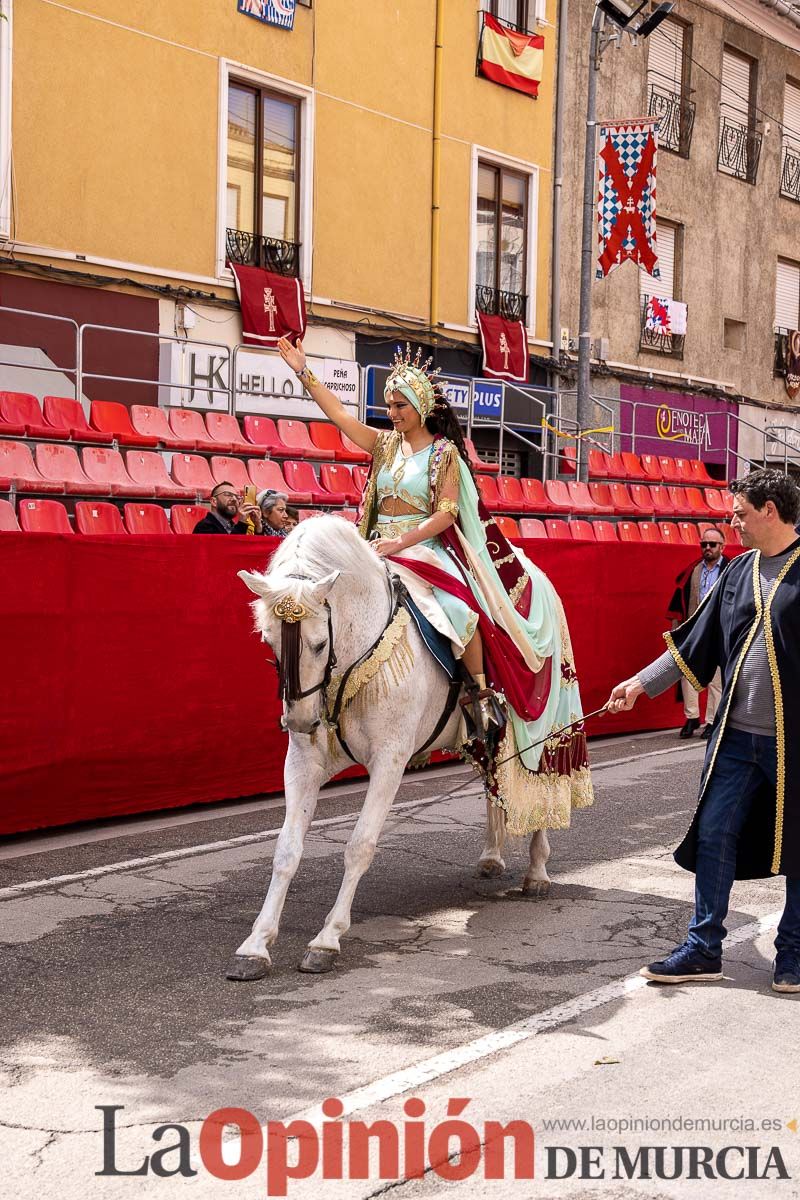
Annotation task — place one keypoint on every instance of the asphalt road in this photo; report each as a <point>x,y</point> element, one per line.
<point>114,939</point>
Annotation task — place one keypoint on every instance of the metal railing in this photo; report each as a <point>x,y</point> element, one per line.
<point>675,119</point>
<point>273,254</point>
<point>739,149</point>
<point>74,371</point>
<point>658,339</point>
<point>790,172</point>
<point>494,303</point>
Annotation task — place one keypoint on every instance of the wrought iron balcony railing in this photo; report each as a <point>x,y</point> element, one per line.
<point>790,173</point>
<point>657,341</point>
<point>675,119</point>
<point>493,303</point>
<point>282,258</point>
<point>739,150</point>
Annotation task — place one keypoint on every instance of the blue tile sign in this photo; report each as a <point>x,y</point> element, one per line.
<point>271,12</point>
<point>488,400</point>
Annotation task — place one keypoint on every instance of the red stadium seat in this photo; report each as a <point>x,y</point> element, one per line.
<point>598,465</point>
<point>650,532</point>
<point>360,477</point>
<point>616,467</point>
<point>629,531</point>
<point>477,464</point>
<point>20,413</point>
<point>512,498</point>
<point>487,486</point>
<point>349,514</point>
<point>581,499</point>
<point>700,475</point>
<point>261,432</point>
<point>44,516</point>
<point>697,502</point>
<point>17,467</point>
<point>349,444</point>
<point>184,517</point>
<point>532,527</point>
<point>601,495</point>
<point>662,504</point>
<point>683,470</point>
<point>680,504</point>
<point>689,533</point>
<point>61,412</point>
<point>191,472</point>
<point>558,495</point>
<point>621,499</point>
<point>151,422</point>
<point>640,495</point>
<point>337,478</point>
<point>651,466</point>
<point>305,513</point>
<point>230,470</point>
<point>633,467</point>
<point>268,474</point>
<point>507,526</point>
<point>146,518</point>
<point>110,417</point>
<point>670,534</point>
<point>535,496</point>
<point>147,468</point>
<point>669,469</point>
<point>727,500</point>
<point>568,461</point>
<point>301,476</point>
<point>294,435</point>
<point>715,502</point>
<point>325,436</point>
<point>93,516</point>
<point>189,426</point>
<point>8,518</point>
<point>605,531</point>
<point>223,429</point>
<point>558,530</point>
<point>106,468</point>
<point>582,531</point>
<point>61,465</point>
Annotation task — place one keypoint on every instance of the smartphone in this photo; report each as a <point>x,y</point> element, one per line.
<point>249,495</point>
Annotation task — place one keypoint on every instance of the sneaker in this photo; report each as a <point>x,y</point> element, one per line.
<point>684,965</point>
<point>786,977</point>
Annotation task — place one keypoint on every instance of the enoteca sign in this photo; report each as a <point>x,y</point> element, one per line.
<point>676,424</point>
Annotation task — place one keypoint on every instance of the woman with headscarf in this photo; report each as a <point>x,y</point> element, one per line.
<point>273,512</point>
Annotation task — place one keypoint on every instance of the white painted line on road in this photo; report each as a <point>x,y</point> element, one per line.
<point>248,839</point>
<point>411,1078</point>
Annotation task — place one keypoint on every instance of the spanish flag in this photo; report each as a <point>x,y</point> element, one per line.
<point>512,59</point>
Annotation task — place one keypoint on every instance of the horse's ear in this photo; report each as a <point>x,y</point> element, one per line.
<point>321,588</point>
<point>256,583</point>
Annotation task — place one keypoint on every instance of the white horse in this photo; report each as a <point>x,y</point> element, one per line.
<point>334,600</point>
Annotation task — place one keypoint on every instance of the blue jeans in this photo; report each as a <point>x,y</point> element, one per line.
<point>744,762</point>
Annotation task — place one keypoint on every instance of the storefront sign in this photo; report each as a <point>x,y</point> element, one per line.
<point>488,402</point>
<point>677,425</point>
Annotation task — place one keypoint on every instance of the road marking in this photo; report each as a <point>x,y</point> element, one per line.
<point>430,1069</point>
<point>248,839</point>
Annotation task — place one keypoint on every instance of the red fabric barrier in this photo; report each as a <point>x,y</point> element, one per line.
<point>134,680</point>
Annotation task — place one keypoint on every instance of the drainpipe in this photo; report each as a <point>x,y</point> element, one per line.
<point>437,169</point>
<point>558,192</point>
<point>788,11</point>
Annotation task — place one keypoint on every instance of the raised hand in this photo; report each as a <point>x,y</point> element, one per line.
<point>293,356</point>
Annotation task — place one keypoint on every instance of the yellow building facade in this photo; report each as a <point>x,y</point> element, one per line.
<point>143,141</point>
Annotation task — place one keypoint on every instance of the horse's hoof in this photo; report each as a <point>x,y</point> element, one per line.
<point>247,967</point>
<point>318,962</point>
<point>537,889</point>
<point>490,868</point>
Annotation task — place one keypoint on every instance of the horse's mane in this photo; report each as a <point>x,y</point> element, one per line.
<point>323,544</point>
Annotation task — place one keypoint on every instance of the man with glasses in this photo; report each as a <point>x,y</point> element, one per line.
<point>691,588</point>
<point>225,505</point>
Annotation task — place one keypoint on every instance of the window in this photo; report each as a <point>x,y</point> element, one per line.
<point>790,165</point>
<point>513,12</point>
<point>666,287</point>
<point>502,250</point>
<point>263,178</point>
<point>739,140</point>
<point>668,85</point>
<point>787,296</point>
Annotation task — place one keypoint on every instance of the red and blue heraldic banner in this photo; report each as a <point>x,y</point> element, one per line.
<point>678,425</point>
<point>626,197</point>
<point>271,12</point>
<point>510,58</point>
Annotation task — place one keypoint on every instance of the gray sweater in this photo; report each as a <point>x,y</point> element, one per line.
<point>753,706</point>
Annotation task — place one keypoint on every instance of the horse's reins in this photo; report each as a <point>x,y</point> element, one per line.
<point>598,712</point>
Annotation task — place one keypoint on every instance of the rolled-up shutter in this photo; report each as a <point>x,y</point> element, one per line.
<point>735,92</point>
<point>664,287</point>
<point>787,296</point>
<point>665,57</point>
<point>791,115</point>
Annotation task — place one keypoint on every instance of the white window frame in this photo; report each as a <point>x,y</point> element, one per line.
<point>6,205</point>
<point>229,69</point>
<point>532,172</point>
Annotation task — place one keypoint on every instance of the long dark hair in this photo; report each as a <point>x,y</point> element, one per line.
<point>443,422</point>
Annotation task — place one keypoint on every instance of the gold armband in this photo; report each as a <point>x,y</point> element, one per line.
<point>307,377</point>
<point>448,506</point>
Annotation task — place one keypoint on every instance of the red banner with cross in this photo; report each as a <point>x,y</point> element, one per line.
<point>505,348</point>
<point>273,306</point>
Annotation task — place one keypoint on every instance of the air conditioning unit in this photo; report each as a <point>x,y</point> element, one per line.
<point>600,349</point>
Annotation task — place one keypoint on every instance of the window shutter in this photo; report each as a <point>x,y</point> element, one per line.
<point>791,115</point>
<point>665,57</point>
<point>735,92</point>
<point>787,296</point>
<point>664,287</point>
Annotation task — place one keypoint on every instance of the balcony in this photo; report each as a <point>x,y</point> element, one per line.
<point>282,258</point>
<point>675,119</point>
<point>739,150</point>
<point>790,173</point>
<point>654,341</point>
<point>493,303</point>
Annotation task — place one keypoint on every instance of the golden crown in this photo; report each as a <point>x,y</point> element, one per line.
<point>414,374</point>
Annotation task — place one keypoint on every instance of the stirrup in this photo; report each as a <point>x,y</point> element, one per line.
<point>482,711</point>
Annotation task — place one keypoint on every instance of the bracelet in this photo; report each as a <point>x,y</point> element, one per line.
<point>447,506</point>
<point>307,377</point>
